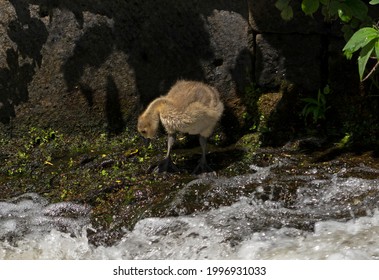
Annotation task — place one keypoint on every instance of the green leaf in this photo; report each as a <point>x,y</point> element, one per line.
<point>282,4</point>
<point>309,7</point>
<point>374,2</point>
<point>334,6</point>
<point>324,2</point>
<point>345,14</point>
<point>326,89</point>
<point>360,39</point>
<point>310,101</point>
<point>358,8</point>
<point>377,49</point>
<point>321,98</point>
<point>364,57</point>
<point>287,13</point>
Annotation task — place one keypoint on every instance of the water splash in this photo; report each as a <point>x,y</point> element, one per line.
<point>30,221</point>
<point>331,217</point>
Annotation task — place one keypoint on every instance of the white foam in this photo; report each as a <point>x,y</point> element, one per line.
<point>248,229</point>
<point>355,239</point>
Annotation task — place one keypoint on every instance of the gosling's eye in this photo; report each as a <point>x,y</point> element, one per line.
<point>143,131</point>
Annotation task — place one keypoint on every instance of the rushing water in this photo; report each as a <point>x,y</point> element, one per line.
<point>334,217</point>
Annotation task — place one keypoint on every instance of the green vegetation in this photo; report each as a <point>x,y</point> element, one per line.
<point>357,123</point>
<point>251,116</point>
<point>316,107</point>
<point>111,174</point>
<point>367,41</point>
<point>345,141</point>
<point>361,32</point>
<point>106,173</point>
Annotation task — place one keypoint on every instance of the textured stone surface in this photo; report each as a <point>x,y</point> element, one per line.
<point>265,18</point>
<point>91,65</point>
<point>295,58</point>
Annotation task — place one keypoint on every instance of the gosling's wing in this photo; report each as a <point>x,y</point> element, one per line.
<point>185,93</point>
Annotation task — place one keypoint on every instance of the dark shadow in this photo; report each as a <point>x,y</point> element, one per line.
<point>246,91</point>
<point>307,52</point>
<point>284,122</point>
<point>164,41</point>
<point>217,160</point>
<point>29,34</point>
<point>92,49</point>
<point>87,92</point>
<point>291,58</point>
<point>14,82</point>
<point>116,123</point>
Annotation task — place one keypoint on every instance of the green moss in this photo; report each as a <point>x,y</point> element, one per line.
<point>107,173</point>
<point>249,142</point>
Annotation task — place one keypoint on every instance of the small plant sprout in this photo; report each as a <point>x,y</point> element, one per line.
<point>316,107</point>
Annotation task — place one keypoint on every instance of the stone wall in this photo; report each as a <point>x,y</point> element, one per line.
<point>92,65</point>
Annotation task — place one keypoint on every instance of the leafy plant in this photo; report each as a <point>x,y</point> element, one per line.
<point>367,41</point>
<point>316,107</point>
<point>345,141</point>
<point>354,15</point>
<point>286,11</point>
<point>251,97</point>
<point>39,136</point>
<point>345,10</point>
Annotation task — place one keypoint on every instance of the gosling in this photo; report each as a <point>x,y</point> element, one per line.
<point>189,107</point>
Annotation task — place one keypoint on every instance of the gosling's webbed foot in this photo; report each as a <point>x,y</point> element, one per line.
<point>166,165</point>
<point>203,168</point>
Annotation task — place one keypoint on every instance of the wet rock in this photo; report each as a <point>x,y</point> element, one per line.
<point>85,159</point>
<point>90,66</point>
<point>295,58</point>
<point>311,143</point>
<point>66,209</point>
<point>81,66</point>
<point>107,163</point>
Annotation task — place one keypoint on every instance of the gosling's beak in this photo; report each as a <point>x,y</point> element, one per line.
<point>146,141</point>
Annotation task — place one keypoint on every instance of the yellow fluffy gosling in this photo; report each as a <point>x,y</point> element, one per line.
<point>190,107</point>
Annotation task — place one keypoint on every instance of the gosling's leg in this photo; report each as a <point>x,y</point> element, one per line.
<point>203,167</point>
<point>167,165</point>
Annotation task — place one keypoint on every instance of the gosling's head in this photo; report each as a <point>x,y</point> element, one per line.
<point>147,126</point>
